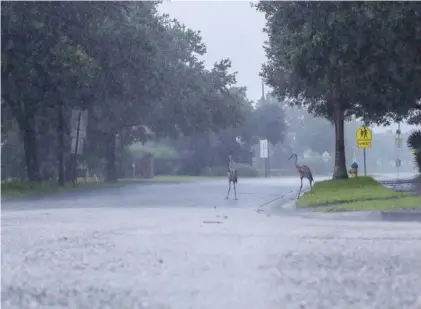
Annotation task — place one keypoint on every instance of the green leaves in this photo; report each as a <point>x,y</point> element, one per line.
<point>367,52</point>
<point>134,71</point>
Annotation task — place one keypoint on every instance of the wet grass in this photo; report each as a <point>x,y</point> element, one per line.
<point>401,203</point>
<point>356,194</point>
<point>16,189</point>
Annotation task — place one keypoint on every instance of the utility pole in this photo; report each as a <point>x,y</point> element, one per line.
<point>267,160</point>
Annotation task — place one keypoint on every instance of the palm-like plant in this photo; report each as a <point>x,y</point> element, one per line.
<point>414,142</point>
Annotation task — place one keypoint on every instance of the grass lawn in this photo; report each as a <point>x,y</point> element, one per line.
<point>362,193</point>
<point>15,189</point>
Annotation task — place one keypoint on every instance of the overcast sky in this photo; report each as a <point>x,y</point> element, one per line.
<point>230,29</point>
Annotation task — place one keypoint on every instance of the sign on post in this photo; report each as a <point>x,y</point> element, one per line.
<point>364,137</point>
<point>79,146</point>
<point>264,154</point>
<point>264,148</point>
<point>78,125</point>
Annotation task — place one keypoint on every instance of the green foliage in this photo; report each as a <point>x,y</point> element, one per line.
<point>157,150</point>
<point>414,142</point>
<point>356,194</point>
<point>415,118</point>
<point>309,132</point>
<point>346,191</point>
<point>345,58</point>
<point>268,120</point>
<point>380,204</point>
<point>136,72</point>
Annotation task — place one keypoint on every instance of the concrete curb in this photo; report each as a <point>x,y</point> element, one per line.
<point>290,208</point>
<point>407,216</point>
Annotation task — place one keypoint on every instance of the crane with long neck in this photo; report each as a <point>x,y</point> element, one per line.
<point>303,171</point>
<point>232,176</point>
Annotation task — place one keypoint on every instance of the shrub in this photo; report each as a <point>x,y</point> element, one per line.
<point>414,142</point>
<point>243,170</point>
<point>167,166</point>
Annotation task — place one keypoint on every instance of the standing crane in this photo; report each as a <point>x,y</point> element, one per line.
<point>232,176</point>
<point>304,171</point>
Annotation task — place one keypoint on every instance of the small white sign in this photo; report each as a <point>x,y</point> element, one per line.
<point>78,122</point>
<point>79,146</point>
<point>326,156</point>
<point>264,148</point>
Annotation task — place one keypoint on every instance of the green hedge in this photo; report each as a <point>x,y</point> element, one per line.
<point>243,170</point>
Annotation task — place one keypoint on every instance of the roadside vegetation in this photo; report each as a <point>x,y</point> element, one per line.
<point>16,189</point>
<point>356,194</point>
<point>139,78</point>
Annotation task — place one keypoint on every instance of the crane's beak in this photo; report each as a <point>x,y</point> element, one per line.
<point>290,158</point>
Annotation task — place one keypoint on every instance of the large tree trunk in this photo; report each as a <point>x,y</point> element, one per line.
<point>60,149</point>
<point>30,148</point>
<point>339,171</point>
<point>110,145</point>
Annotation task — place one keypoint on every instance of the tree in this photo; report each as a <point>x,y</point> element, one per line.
<point>269,120</point>
<point>37,58</point>
<point>133,70</point>
<point>309,132</point>
<point>334,59</point>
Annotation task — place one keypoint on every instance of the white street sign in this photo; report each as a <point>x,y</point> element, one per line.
<point>264,148</point>
<point>74,122</point>
<point>325,156</point>
<point>79,146</point>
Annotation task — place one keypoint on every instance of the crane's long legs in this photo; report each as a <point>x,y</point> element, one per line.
<point>301,186</point>
<point>235,191</point>
<point>229,188</point>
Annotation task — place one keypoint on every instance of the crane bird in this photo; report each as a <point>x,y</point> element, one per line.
<point>232,176</point>
<point>304,171</point>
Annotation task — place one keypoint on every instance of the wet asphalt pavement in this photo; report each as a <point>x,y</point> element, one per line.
<point>184,246</point>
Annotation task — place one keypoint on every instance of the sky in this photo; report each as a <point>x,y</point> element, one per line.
<point>232,29</point>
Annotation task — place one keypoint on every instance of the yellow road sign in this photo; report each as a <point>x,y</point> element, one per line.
<point>364,144</point>
<point>364,134</point>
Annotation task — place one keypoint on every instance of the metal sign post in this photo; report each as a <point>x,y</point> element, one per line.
<point>264,154</point>
<point>364,137</point>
